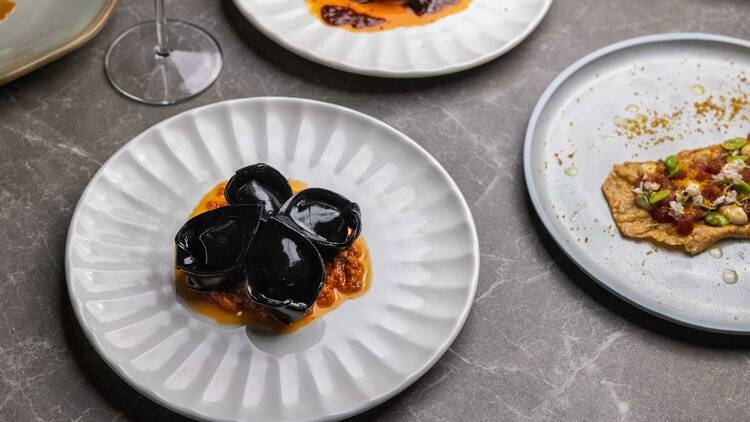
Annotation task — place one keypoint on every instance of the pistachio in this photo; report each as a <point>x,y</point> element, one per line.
<point>657,197</point>
<point>734,144</point>
<point>672,165</point>
<point>742,187</point>
<point>715,219</point>
<point>738,157</point>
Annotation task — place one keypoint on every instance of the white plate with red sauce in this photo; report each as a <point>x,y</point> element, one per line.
<point>636,101</point>
<point>478,31</point>
<point>120,265</point>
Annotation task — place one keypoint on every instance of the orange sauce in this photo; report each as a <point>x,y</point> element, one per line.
<point>257,317</point>
<point>6,8</point>
<point>394,14</point>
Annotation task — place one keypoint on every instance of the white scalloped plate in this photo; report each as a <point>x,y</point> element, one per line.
<point>484,31</point>
<point>420,232</point>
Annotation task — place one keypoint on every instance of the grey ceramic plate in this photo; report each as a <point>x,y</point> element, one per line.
<point>587,120</point>
<point>37,33</point>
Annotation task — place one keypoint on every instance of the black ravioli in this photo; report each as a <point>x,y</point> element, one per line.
<point>420,7</point>
<point>258,184</point>
<point>329,220</point>
<point>211,246</point>
<point>284,271</point>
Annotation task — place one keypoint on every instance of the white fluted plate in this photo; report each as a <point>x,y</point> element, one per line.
<point>420,232</point>
<point>482,32</point>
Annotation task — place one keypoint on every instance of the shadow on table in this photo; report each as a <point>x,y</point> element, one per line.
<point>631,313</point>
<point>288,62</point>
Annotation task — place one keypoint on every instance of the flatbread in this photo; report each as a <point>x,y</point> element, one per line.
<point>637,223</point>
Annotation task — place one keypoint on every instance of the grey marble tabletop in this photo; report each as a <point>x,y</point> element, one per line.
<point>543,342</point>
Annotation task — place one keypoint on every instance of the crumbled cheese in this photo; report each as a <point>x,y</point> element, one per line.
<point>646,187</point>
<point>731,172</point>
<point>652,186</point>
<point>728,198</point>
<point>676,209</point>
<point>692,189</point>
<point>698,200</point>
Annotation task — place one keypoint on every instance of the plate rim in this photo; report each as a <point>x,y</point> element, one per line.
<point>609,283</point>
<point>76,41</point>
<point>412,73</point>
<point>364,406</point>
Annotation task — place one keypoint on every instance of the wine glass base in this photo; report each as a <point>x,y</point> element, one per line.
<point>135,69</point>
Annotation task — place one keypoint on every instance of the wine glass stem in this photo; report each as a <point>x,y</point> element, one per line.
<point>161,22</point>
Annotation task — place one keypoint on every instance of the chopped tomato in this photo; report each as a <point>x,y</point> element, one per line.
<point>662,180</point>
<point>685,225</point>
<point>702,176</point>
<point>714,166</point>
<point>696,213</point>
<point>661,215</point>
<point>712,190</point>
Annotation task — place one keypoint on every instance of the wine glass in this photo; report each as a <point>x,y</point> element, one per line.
<point>163,61</point>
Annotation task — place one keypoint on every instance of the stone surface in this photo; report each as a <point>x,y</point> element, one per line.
<point>543,342</point>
